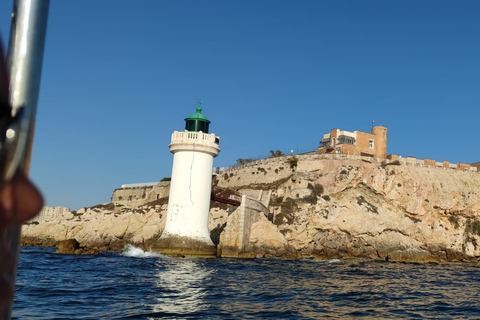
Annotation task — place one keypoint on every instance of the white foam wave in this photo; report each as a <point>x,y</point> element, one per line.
<point>323,261</point>
<point>132,251</point>
<point>333,261</point>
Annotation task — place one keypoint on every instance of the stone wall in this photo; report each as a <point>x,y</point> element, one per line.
<point>263,171</point>
<point>50,213</point>
<point>133,197</point>
<point>434,164</point>
<point>282,162</point>
<point>235,238</point>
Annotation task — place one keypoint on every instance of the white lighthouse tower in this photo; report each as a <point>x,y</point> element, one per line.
<point>186,228</point>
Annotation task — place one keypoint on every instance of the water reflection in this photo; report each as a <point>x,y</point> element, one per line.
<point>118,287</point>
<point>181,286</point>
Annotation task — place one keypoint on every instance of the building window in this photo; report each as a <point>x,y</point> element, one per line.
<point>346,140</point>
<point>339,151</point>
<point>370,144</point>
<point>325,143</point>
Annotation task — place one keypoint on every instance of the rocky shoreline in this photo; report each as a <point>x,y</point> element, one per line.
<point>319,208</point>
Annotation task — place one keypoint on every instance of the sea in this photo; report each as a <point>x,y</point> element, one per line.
<point>135,284</point>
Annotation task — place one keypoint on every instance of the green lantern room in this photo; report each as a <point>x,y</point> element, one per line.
<point>197,122</point>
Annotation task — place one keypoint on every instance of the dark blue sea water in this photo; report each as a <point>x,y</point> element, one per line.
<point>139,285</point>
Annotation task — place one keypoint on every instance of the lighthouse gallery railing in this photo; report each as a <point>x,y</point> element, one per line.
<point>186,136</point>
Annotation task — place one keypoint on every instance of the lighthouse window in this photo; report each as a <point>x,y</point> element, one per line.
<point>370,144</point>
<point>196,125</point>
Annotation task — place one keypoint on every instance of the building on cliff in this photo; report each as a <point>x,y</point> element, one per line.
<point>356,143</point>
<point>138,194</point>
<point>50,213</point>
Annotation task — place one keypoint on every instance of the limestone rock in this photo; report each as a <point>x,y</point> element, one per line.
<point>94,229</point>
<point>412,255</point>
<point>72,246</point>
<point>325,208</point>
<point>68,246</point>
<point>267,241</point>
<point>377,210</point>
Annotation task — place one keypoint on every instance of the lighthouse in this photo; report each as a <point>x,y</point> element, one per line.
<point>186,227</point>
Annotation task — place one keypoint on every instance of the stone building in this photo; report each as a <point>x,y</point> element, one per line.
<point>137,194</point>
<point>356,143</point>
<point>51,213</point>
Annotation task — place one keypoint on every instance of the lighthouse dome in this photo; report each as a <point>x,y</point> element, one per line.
<point>197,122</point>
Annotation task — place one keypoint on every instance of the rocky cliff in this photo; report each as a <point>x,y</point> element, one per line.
<point>110,227</point>
<point>320,207</point>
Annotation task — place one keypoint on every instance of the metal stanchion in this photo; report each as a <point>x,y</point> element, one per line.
<point>24,66</point>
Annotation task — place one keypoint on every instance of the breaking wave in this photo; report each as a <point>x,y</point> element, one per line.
<point>132,251</point>
<point>334,261</point>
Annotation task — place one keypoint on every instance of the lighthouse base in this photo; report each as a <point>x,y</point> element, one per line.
<point>177,246</point>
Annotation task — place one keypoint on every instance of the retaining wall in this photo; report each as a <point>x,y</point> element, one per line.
<point>313,156</point>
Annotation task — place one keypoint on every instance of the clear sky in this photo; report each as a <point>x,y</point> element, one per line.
<point>120,76</point>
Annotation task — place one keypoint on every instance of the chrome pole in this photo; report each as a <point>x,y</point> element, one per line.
<point>24,66</point>
<point>24,60</point>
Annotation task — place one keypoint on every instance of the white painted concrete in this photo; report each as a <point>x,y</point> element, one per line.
<point>190,188</point>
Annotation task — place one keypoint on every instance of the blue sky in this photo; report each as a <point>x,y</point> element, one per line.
<point>120,76</point>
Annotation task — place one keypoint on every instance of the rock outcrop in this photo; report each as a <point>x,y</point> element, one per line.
<point>319,207</point>
<point>72,246</point>
<point>107,227</point>
<point>342,208</point>
<point>99,228</point>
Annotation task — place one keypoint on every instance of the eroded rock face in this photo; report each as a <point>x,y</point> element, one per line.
<point>368,209</point>
<point>265,240</point>
<point>321,208</point>
<point>100,228</point>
